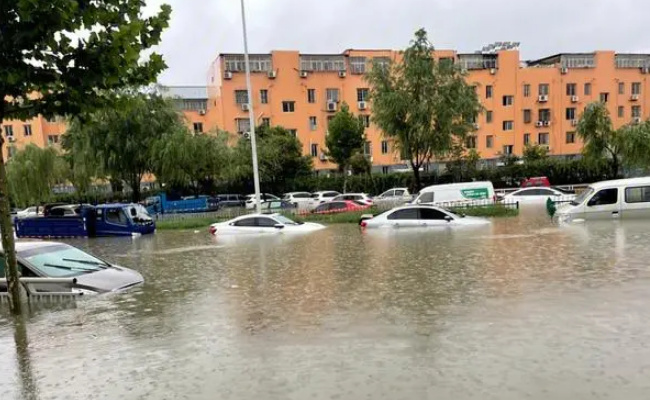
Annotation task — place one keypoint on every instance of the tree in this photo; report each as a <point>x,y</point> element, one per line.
<point>83,166</point>
<point>279,155</point>
<point>425,106</point>
<point>122,137</point>
<point>635,145</point>
<point>360,164</point>
<point>33,172</point>
<point>61,58</point>
<point>601,140</point>
<point>189,160</point>
<point>344,140</point>
<point>534,153</point>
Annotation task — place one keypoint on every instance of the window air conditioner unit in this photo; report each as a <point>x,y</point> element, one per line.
<point>331,106</point>
<point>201,112</point>
<point>493,71</point>
<point>303,74</point>
<point>476,125</point>
<point>634,97</point>
<point>564,70</point>
<point>636,120</point>
<point>272,74</point>
<point>244,107</point>
<point>342,74</point>
<point>362,105</point>
<point>547,123</point>
<point>539,123</point>
<point>542,98</point>
<point>574,122</point>
<point>227,75</point>
<point>574,99</point>
<point>322,157</point>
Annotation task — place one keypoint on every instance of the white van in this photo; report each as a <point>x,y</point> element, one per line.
<point>621,198</point>
<point>457,193</point>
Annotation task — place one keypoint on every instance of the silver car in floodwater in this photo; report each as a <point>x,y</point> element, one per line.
<point>90,275</point>
<point>420,216</point>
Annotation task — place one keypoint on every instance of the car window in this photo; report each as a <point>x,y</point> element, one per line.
<point>426,197</point>
<point>388,193</point>
<point>431,214</point>
<point>116,216</point>
<point>407,213</point>
<point>322,207</point>
<point>359,203</point>
<point>315,196</point>
<point>546,192</point>
<point>338,206</point>
<point>604,197</point>
<point>526,192</point>
<point>637,194</point>
<point>246,222</point>
<point>275,204</point>
<point>265,222</point>
<point>399,193</point>
<point>330,194</point>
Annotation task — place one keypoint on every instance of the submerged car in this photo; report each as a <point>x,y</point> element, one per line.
<point>411,216</point>
<point>539,195</point>
<point>262,224</point>
<point>41,259</point>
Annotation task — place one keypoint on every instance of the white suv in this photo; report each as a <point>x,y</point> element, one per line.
<point>393,197</point>
<point>264,197</point>
<point>321,197</point>
<point>299,199</point>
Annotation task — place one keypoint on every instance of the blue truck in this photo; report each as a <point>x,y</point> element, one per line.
<point>88,221</point>
<point>161,205</point>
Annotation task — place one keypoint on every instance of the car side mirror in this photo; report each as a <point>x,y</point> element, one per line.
<point>278,226</point>
<point>448,218</point>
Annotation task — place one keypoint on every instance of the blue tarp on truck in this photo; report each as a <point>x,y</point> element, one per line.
<point>161,205</point>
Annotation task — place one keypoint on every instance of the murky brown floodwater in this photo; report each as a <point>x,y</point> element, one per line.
<point>518,310</point>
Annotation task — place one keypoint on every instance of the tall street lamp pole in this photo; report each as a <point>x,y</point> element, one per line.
<point>251,115</point>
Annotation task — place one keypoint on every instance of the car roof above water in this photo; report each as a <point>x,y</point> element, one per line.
<point>24,245</point>
<point>621,182</point>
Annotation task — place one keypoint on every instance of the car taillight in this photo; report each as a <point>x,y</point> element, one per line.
<point>363,224</point>
<point>213,230</point>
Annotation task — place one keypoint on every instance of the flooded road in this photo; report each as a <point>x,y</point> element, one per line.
<point>521,309</point>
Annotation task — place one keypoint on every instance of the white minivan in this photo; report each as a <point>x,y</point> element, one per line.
<point>457,193</point>
<point>621,198</point>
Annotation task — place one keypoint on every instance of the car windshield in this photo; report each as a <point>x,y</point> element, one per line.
<point>582,196</point>
<point>315,196</point>
<point>60,260</point>
<point>284,220</point>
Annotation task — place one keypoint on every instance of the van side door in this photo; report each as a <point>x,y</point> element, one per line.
<point>636,202</point>
<point>604,204</point>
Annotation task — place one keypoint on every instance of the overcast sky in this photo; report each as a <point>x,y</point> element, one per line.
<point>200,29</point>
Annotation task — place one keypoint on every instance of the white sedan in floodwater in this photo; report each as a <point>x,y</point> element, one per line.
<point>263,224</point>
<point>419,216</point>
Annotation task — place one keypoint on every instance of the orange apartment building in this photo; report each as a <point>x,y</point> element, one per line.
<point>531,102</point>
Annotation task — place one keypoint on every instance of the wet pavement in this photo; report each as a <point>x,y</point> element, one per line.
<point>521,309</point>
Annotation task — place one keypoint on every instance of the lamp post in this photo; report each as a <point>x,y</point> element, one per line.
<point>251,115</point>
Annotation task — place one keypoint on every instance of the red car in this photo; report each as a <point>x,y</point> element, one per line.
<point>540,181</point>
<point>334,207</point>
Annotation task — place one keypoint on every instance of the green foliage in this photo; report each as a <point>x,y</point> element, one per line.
<point>601,140</point>
<point>183,159</point>
<point>32,173</point>
<point>424,105</point>
<point>122,138</point>
<point>533,153</point>
<point>360,164</point>
<point>492,210</point>
<point>636,145</point>
<point>463,164</point>
<point>345,137</point>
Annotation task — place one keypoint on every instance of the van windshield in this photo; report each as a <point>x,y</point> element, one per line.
<point>582,196</point>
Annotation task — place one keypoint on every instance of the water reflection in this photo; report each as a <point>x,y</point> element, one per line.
<point>518,309</point>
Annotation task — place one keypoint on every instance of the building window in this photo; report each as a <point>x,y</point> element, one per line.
<point>264,96</point>
<point>636,88</point>
<point>332,95</point>
<point>266,122</point>
<point>365,120</point>
<point>570,137</point>
<point>288,106</point>
<point>544,115</point>
<point>528,116</point>
<point>621,112</point>
<point>604,97</point>
<point>367,149</point>
<point>488,117</point>
<point>508,100</point>
<point>488,92</point>
<point>313,125</point>
<point>636,111</point>
<point>571,89</point>
<point>241,96</point>
<point>362,94</point>
<point>470,142</point>
<point>507,149</point>
<point>508,125</point>
<point>587,89</point>
<point>9,130</point>
<point>385,170</point>
<point>27,129</point>
<point>322,63</point>
<point>526,139</point>
<point>52,139</point>
<point>258,63</point>
<point>357,65</point>
<point>384,147</point>
<point>314,150</point>
<point>489,141</point>
<point>526,90</point>
<point>311,95</point>
<point>543,89</point>
<point>198,127</point>
<point>293,132</point>
<point>243,125</point>
<point>542,138</point>
<point>11,151</point>
<point>570,113</point>
<point>621,88</point>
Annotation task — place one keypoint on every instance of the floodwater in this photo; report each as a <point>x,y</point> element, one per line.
<point>521,309</point>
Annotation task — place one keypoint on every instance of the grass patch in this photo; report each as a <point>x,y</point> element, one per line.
<point>187,223</point>
<point>493,210</point>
